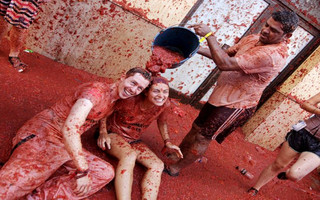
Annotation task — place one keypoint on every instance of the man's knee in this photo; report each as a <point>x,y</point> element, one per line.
<point>107,172</point>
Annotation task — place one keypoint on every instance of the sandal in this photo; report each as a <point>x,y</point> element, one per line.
<point>167,170</point>
<point>253,191</point>
<point>17,64</point>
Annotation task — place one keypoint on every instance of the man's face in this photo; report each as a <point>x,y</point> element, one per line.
<point>272,33</point>
<point>132,86</point>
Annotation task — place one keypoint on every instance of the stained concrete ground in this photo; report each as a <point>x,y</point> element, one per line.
<point>46,81</point>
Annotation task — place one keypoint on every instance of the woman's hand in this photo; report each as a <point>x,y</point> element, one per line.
<point>83,185</point>
<point>103,140</point>
<point>175,148</point>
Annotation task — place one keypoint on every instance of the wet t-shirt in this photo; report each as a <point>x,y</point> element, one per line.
<point>259,64</point>
<point>49,122</point>
<point>129,119</point>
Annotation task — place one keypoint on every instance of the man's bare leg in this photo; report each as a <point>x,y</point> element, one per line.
<point>193,146</point>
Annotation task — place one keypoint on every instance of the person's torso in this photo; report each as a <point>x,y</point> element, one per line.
<point>129,119</point>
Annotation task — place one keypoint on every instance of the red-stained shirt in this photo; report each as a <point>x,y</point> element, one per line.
<point>49,122</point>
<point>259,64</point>
<point>130,120</point>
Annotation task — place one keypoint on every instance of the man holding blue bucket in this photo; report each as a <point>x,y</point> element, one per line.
<point>247,68</point>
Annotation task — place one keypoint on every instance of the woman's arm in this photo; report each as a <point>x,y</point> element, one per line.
<point>311,105</point>
<point>163,128</point>
<point>103,135</point>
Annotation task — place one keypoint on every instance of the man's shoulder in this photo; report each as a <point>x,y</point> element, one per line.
<point>251,37</point>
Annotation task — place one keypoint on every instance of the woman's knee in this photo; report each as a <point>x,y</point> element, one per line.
<point>294,174</point>
<point>129,157</point>
<point>157,166</point>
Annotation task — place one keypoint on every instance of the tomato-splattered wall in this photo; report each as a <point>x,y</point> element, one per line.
<point>102,37</point>
<point>308,8</point>
<point>270,124</point>
<point>107,37</point>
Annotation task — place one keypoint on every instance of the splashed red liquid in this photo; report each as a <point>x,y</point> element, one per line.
<point>162,59</point>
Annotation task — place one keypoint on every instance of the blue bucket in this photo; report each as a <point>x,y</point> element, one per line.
<point>178,39</point>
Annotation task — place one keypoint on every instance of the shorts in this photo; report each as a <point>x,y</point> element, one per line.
<point>129,140</point>
<point>19,13</point>
<point>219,122</point>
<point>302,140</point>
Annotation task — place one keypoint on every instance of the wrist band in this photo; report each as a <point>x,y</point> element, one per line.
<point>206,36</point>
<point>80,174</point>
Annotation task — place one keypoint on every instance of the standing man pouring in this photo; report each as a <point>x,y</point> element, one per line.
<point>19,14</point>
<point>247,68</point>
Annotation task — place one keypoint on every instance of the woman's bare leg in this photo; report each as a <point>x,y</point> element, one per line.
<point>286,155</point>
<point>17,40</point>
<point>306,163</point>
<point>122,150</point>
<point>4,27</point>
<point>152,178</point>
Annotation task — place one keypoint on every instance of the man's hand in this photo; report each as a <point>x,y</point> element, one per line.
<point>103,140</point>
<point>83,185</point>
<point>201,29</point>
<point>175,148</point>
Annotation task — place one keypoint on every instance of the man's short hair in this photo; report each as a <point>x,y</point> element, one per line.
<point>288,19</point>
<point>146,74</point>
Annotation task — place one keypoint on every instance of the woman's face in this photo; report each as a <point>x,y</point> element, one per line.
<point>158,94</point>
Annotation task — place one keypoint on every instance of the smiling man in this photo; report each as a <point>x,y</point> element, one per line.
<point>52,139</point>
<point>247,68</point>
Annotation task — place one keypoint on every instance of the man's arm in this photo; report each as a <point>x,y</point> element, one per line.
<point>71,134</point>
<point>204,52</point>
<point>223,61</point>
<point>311,105</point>
<point>72,140</point>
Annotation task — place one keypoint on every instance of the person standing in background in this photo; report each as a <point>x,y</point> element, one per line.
<point>17,15</point>
<point>303,140</point>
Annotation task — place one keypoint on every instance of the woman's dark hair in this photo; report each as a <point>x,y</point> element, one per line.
<point>159,79</point>
<point>155,80</point>
<point>146,74</point>
<point>288,19</point>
